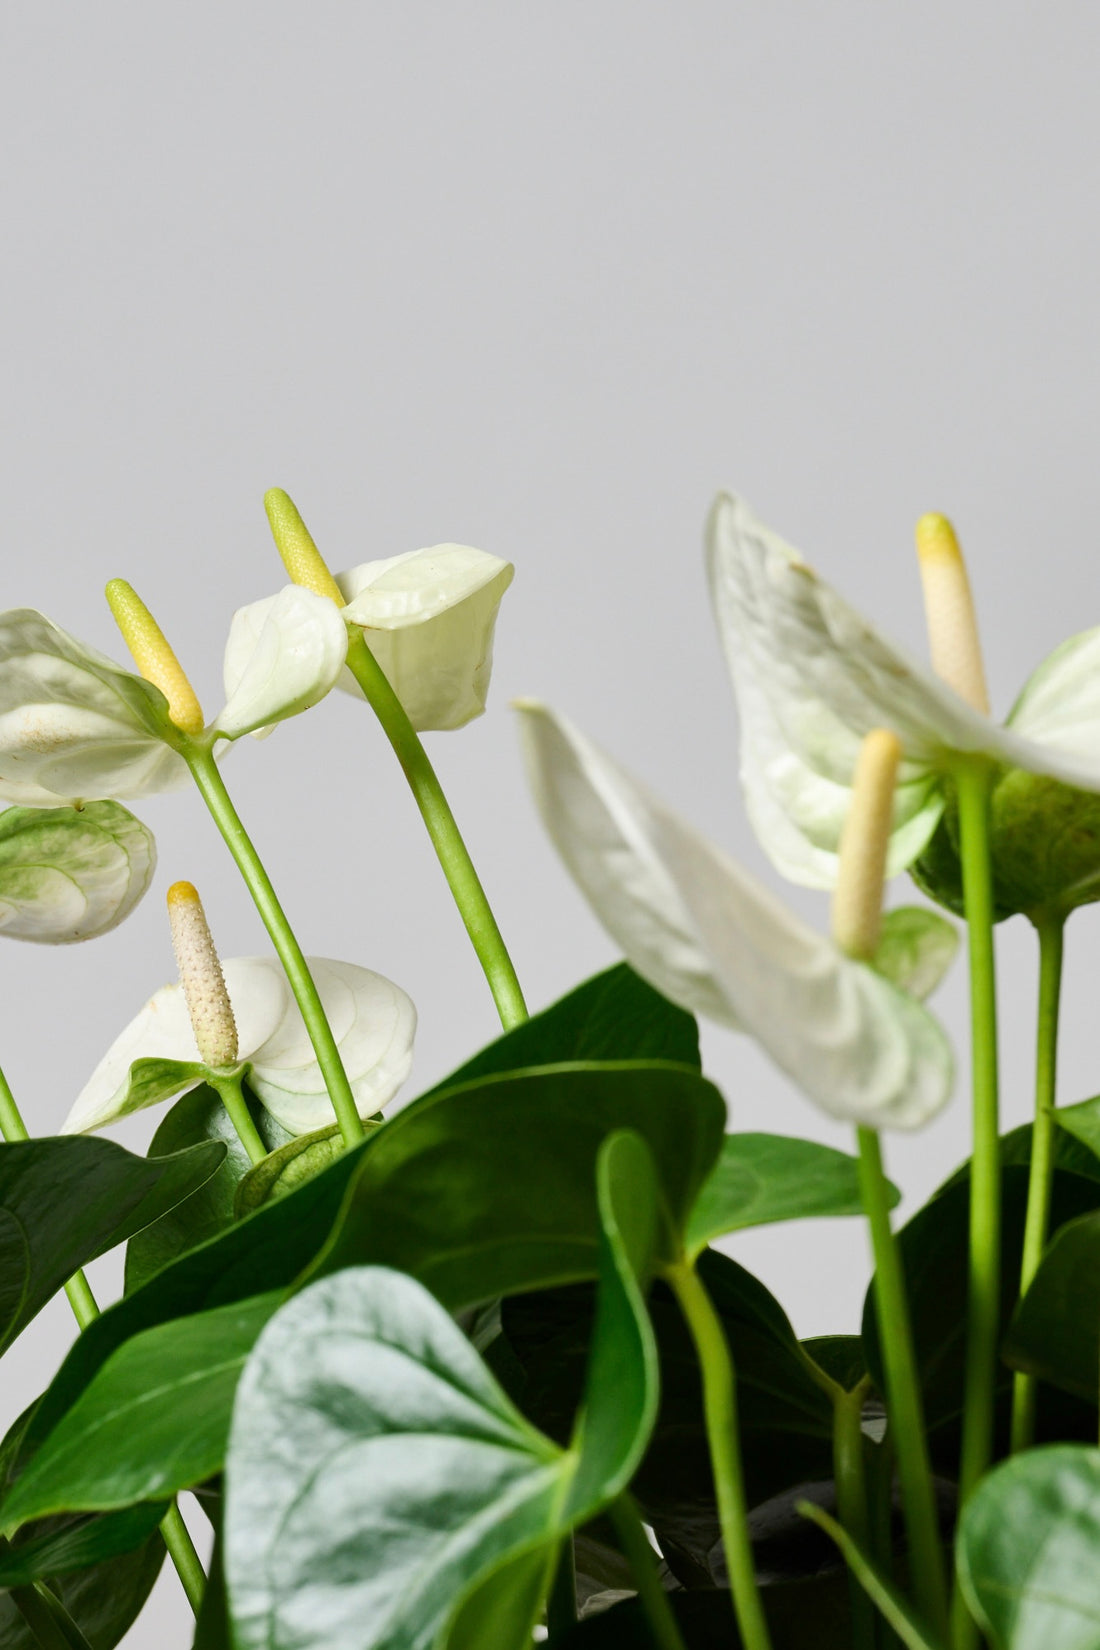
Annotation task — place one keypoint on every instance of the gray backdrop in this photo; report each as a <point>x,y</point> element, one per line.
<point>539,279</point>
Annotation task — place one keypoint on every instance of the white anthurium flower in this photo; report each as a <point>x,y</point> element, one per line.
<point>75,726</point>
<point>812,678</point>
<point>701,930</point>
<point>70,874</point>
<point>428,617</point>
<point>156,1057</point>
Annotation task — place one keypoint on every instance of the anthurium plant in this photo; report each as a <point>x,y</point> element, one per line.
<point>470,1370</point>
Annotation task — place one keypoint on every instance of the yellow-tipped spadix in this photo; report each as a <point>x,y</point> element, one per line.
<point>153,656</point>
<point>201,977</point>
<point>301,557</point>
<point>861,872</point>
<point>949,608</point>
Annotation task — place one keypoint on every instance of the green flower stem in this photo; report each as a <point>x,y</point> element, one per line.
<point>1050,927</point>
<point>446,839</point>
<point>903,1394</point>
<point>974,784</point>
<point>635,1544</point>
<point>232,1098</point>
<point>851,1497</point>
<point>212,789</point>
<point>723,1439</point>
<point>83,1303</point>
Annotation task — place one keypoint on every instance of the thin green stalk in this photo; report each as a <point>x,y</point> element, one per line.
<point>451,851</point>
<point>212,789</point>
<point>635,1544</point>
<point>723,1439</point>
<point>851,1498</point>
<point>974,783</point>
<point>903,1394</point>
<point>176,1536</point>
<point>1050,927</point>
<point>232,1098</point>
<point>561,1606</point>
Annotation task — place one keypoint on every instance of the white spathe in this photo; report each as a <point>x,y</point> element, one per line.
<point>701,930</point>
<point>372,1020</point>
<point>74,726</point>
<point>812,678</point>
<point>69,875</point>
<point>428,617</point>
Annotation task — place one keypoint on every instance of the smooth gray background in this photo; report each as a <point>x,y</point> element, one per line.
<point>539,279</point>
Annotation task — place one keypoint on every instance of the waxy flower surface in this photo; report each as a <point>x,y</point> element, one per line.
<point>428,617</point>
<point>812,678</point>
<point>75,726</point>
<point>701,930</point>
<point>68,875</point>
<point>156,1057</point>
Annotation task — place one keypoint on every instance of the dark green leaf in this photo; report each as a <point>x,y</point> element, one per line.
<point>1082,1121</point>
<point>198,1116</point>
<point>892,1605</point>
<point>76,1543</point>
<point>1027,1551</point>
<point>803,1615</point>
<point>505,1167</point>
<point>786,1417</point>
<point>153,1421</point>
<point>377,1472</point>
<point>1055,1332</point>
<point>840,1356</point>
<point>65,1201</point>
<point>613,1016</point>
<point>934,1249</point>
<point>488,1190</point>
<point>104,1600</point>
<point>761,1178</point>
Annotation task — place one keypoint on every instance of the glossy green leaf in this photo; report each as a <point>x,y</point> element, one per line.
<point>453,1168</point>
<point>63,1202</point>
<point>916,948</point>
<point>1027,1551</point>
<point>197,1116</point>
<point>615,1015</point>
<point>786,1416</point>
<point>1055,1332</point>
<point>762,1178</point>
<point>292,1164</point>
<point>71,1544</point>
<point>104,1600</point>
<point>153,1421</point>
<point>487,1190</point>
<point>934,1247</point>
<point>376,1470</point>
<point>1082,1121</point>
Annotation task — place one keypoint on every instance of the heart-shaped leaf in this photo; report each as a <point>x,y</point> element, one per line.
<point>487,1190</point>
<point>377,1471</point>
<point>71,1544</point>
<point>104,1601</point>
<point>1055,1332</point>
<point>63,1202</point>
<point>934,1248</point>
<point>615,1015</point>
<point>504,1168</point>
<point>761,1178</point>
<point>197,1116</point>
<point>153,1421</point>
<point>1027,1550</point>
